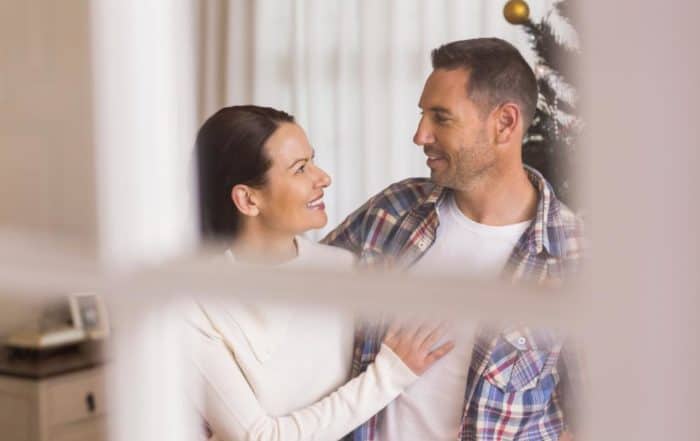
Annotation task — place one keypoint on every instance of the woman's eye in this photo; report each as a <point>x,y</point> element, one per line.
<point>301,169</point>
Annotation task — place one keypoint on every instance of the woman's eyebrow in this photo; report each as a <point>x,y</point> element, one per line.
<point>298,161</point>
<point>313,155</point>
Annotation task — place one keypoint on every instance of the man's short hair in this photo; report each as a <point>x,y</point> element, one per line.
<point>497,73</point>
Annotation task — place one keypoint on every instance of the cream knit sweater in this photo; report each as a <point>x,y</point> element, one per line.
<point>280,373</point>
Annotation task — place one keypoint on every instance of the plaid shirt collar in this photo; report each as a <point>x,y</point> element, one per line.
<point>540,235</point>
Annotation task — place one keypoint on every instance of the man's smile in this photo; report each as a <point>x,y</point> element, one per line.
<point>434,158</point>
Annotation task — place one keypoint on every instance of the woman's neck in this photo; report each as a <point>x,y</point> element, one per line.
<point>264,248</point>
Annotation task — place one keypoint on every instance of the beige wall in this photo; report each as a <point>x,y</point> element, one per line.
<point>46,153</point>
<point>47,179</point>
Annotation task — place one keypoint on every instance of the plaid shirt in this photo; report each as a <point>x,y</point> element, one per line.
<point>520,379</point>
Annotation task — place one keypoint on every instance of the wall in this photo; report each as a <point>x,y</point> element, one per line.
<point>47,179</point>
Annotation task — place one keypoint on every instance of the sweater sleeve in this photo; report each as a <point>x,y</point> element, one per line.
<point>231,409</point>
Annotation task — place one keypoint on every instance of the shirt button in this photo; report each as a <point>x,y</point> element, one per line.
<point>522,341</point>
<point>422,244</point>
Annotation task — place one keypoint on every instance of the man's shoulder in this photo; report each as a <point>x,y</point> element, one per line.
<point>320,255</point>
<point>402,196</point>
<point>382,212</point>
<point>567,215</point>
<point>571,227</point>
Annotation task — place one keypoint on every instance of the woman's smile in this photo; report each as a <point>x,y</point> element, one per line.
<point>317,204</point>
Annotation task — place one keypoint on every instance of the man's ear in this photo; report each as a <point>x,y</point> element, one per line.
<point>244,198</point>
<point>508,120</point>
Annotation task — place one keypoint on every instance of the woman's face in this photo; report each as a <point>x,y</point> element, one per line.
<point>291,201</point>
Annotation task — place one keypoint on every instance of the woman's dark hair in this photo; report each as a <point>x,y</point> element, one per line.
<point>230,151</point>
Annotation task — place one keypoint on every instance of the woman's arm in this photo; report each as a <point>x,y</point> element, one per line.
<point>234,413</point>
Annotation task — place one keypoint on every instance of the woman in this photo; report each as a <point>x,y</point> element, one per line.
<point>280,373</point>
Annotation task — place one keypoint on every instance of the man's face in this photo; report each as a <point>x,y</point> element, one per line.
<point>452,131</point>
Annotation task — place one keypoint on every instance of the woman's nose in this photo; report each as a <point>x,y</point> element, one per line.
<point>322,179</point>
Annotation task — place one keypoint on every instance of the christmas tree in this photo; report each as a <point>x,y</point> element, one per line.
<point>551,140</point>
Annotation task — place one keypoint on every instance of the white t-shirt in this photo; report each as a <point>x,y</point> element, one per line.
<point>432,407</point>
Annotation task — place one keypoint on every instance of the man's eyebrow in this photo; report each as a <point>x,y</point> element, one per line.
<point>439,109</point>
<point>313,155</point>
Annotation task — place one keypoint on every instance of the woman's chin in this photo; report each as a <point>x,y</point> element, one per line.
<point>311,222</point>
<point>319,221</point>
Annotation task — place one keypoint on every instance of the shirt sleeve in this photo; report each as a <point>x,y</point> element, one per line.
<point>570,389</point>
<point>349,234</point>
<point>231,409</point>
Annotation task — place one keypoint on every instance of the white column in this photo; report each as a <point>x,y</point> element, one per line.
<point>145,122</point>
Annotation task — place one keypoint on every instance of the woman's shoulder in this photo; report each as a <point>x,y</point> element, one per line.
<point>325,256</point>
<point>196,329</point>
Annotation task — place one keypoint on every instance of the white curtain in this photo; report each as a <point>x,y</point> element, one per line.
<point>350,71</point>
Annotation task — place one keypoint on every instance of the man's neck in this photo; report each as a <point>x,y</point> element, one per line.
<point>255,246</point>
<point>501,197</point>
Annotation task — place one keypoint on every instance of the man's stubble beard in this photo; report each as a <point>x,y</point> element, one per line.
<point>468,167</point>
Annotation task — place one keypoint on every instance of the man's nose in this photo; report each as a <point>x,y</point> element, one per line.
<point>423,133</point>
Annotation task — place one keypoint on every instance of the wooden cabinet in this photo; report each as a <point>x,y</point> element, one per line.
<point>53,404</point>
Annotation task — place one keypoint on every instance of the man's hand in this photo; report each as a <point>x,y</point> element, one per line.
<point>414,345</point>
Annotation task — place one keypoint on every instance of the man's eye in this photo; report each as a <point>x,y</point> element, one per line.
<point>440,119</point>
<point>301,169</point>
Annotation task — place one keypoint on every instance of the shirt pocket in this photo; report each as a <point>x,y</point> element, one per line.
<point>520,361</point>
<point>515,395</point>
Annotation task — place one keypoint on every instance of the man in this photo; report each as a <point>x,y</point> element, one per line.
<point>482,213</point>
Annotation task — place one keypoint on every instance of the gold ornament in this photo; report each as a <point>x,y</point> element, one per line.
<point>516,12</point>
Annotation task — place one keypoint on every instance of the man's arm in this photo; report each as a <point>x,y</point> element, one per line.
<point>566,436</point>
<point>349,234</point>
<point>571,388</point>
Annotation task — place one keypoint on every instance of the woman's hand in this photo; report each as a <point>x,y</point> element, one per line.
<point>414,345</point>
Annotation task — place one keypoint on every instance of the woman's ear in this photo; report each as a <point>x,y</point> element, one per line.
<point>507,121</point>
<point>244,199</point>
